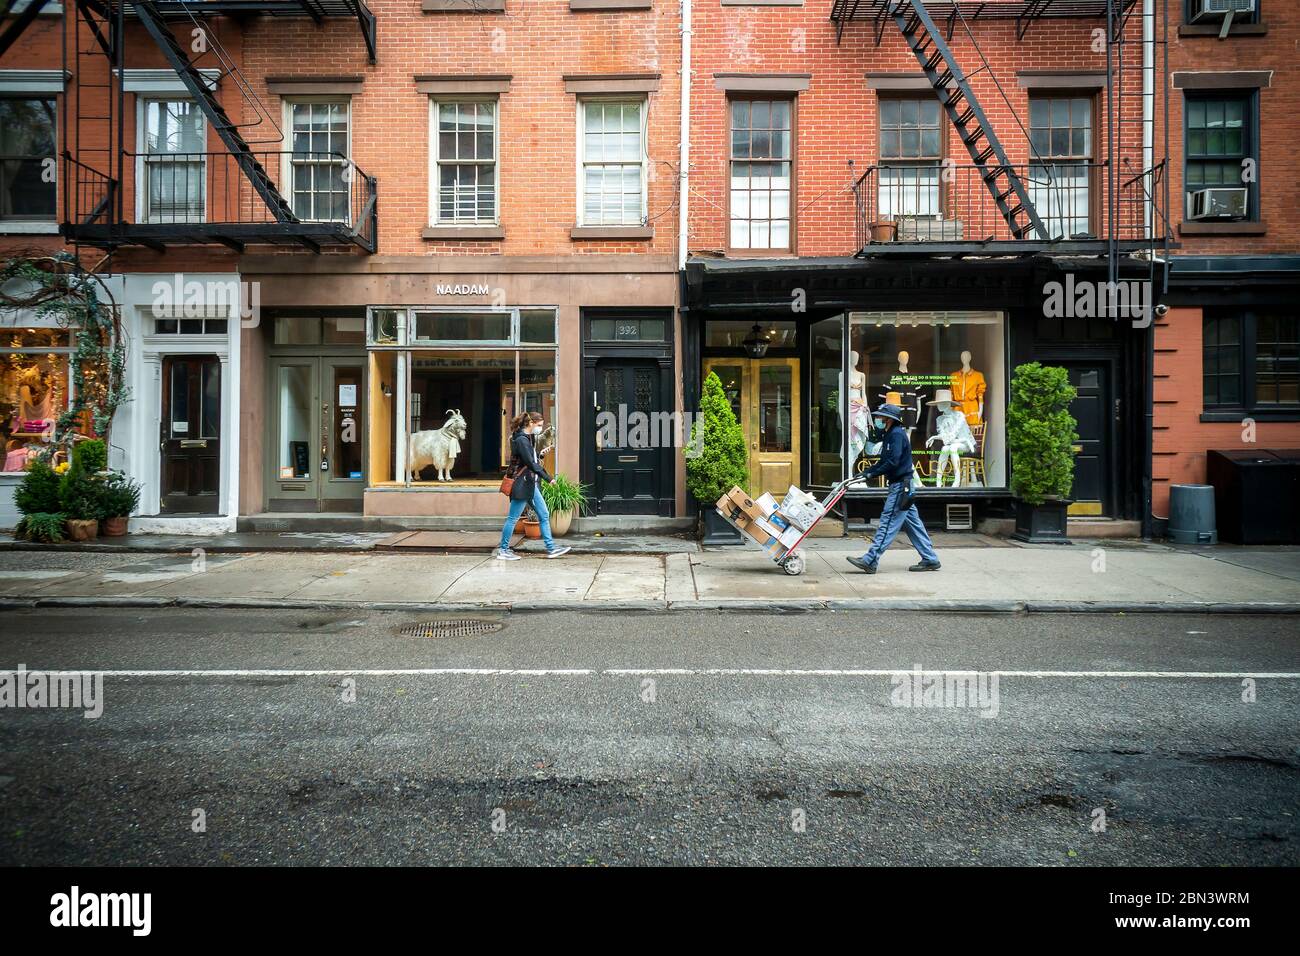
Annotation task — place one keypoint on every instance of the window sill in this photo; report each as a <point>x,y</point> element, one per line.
<point>584,5</point>
<point>29,228</point>
<point>463,232</point>
<point>612,232</point>
<point>1234,416</point>
<point>1223,228</point>
<point>1213,29</point>
<point>762,3</point>
<point>462,6</point>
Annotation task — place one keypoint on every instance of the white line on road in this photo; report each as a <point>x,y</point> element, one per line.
<point>669,672</point>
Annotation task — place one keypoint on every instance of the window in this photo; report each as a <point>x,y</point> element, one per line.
<point>27,170</point>
<point>34,387</point>
<point>762,147</point>
<point>1060,133</point>
<point>190,326</point>
<point>174,163</point>
<point>1251,361</point>
<point>612,134</point>
<point>465,162</point>
<point>1193,13</point>
<point>318,181</point>
<point>910,151</point>
<point>1219,140</point>
<point>311,330</point>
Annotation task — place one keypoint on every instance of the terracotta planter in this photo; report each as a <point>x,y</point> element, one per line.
<point>82,529</point>
<point>884,231</point>
<point>113,527</point>
<point>532,529</point>
<point>560,522</point>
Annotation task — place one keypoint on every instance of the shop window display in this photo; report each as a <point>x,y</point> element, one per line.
<point>945,369</point>
<point>33,390</point>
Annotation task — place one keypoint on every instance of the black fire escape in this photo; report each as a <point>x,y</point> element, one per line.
<point>1114,207</point>
<point>117,194</point>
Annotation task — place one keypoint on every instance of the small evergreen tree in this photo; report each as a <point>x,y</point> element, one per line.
<point>1041,433</point>
<point>38,492</point>
<point>723,461</point>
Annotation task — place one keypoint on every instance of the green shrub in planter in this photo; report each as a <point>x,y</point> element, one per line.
<point>90,456</point>
<point>119,496</point>
<point>81,495</point>
<point>565,495</point>
<point>724,460</point>
<point>1041,433</point>
<point>38,492</point>
<point>42,526</point>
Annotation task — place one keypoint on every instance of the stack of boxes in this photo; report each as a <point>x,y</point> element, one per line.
<point>776,528</point>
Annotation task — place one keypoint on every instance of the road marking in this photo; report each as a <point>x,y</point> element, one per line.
<point>668,672</point>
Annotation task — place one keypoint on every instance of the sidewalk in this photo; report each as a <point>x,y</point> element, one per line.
<point>995,576</point>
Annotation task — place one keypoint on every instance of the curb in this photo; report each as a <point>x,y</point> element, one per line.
<point>662,607</point>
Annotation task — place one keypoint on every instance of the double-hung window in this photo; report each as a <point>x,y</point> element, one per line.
<point>1251,361</point>
<point>319,168</point>
<point>613,162</point>
<point>1060,134</point>
<point>465,162</point>
<point>27,160</point>
<point>762,150</point>
<point>911,150</point>
<point>1218,144</point>
<point>174,162</point>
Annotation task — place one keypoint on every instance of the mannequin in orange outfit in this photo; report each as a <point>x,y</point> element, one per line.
<point>968,389</point>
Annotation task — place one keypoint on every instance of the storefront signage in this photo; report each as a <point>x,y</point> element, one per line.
<point>459,289</point>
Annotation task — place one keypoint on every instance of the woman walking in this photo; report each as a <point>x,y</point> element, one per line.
<point>526,471</point>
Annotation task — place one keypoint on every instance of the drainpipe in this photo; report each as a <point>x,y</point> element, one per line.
<point>1148,99</point>
<point>1148,160</point>
<point>684,157</point>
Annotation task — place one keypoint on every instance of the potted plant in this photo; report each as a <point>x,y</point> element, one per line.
<point>1041,436</point>
<point>81,490</point>
<point>722,463</point>
<point>121,496</point>
<point>37,500</point>
<point>564,498</point>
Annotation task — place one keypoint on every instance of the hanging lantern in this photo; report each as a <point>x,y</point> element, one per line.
<point>756,343</point>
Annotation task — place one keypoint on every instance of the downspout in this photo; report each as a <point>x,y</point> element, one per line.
<point>684,157</point>
<point>1148,162</point>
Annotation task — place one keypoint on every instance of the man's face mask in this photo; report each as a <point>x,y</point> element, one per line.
<point>880,423</point>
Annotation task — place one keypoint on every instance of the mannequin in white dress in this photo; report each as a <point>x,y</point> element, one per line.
<point>857,409</point>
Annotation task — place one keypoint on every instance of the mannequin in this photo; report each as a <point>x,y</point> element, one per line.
<point>902,362</point>
<point>858,411</point>
<point>968,388</point>
<point>954,432</point>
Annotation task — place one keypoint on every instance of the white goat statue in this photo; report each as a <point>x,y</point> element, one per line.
<point>438,447</point>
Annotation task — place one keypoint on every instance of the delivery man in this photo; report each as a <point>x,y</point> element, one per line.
<point>900,512</point>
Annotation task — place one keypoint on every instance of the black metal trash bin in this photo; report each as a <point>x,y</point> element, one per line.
<point>1255,495</point>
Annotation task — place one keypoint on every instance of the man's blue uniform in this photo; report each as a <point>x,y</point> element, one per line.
<point>895,465</point>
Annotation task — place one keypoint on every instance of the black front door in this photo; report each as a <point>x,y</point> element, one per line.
<point>190,439</point>
<point>1092,408</point>
<point>630,425</point>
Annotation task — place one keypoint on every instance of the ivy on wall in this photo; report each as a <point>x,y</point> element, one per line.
<point>59,289</point>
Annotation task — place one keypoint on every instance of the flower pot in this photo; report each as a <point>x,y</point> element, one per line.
<point>113,527</point>
<point>532,528</point>
<point>560,521</point>
<point>82,529</point>
<point>1042,524</point>
<point>717,530</point>
<point>884,231</point>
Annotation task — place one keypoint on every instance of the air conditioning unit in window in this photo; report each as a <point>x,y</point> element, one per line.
<point>1213,9</point>
<point>1219,203</point>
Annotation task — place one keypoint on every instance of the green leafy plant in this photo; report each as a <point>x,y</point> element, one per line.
<point>1041,433</point>
<point>119,496</point>
<point>38,492</point>
<point>81,496</point>
<point>565,495</point>
<point>42,526</point>
<point>723,460</point>
<point>90,455</point>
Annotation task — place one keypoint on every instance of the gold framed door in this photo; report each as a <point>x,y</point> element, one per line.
<point>764,394</point>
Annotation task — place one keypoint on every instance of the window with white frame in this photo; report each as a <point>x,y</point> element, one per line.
<point>911,149</point>
<point>613,162</point>
<point>465,162</point>
<point>174,162</point>
<point>762,148</point>
<point>27,171</point>
<point>1060,132</point>
<point>319,162</point>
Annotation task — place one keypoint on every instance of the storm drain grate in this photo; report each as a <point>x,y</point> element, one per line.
<point>452,627</point>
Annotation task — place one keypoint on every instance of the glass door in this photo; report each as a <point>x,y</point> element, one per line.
<point>318,434</point>
<point>764,395</point>
<point>342,431</point>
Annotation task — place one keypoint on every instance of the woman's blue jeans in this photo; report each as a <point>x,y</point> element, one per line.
<point>543,515</point>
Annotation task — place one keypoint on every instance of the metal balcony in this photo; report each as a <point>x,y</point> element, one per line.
<point>207,199</point>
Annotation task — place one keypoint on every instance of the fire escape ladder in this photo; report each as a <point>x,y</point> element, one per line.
<point>958,99</point>
<point>225,127</point>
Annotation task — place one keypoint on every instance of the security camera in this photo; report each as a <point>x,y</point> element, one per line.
<point>1162,309</point>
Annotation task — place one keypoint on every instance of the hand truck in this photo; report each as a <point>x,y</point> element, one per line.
<point>791,560</point>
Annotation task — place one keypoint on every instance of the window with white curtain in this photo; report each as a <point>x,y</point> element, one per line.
<point>613,161</point>
<point>175,166</point>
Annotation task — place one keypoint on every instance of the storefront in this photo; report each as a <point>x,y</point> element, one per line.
<point>395,400</point>
<point>805,350</point>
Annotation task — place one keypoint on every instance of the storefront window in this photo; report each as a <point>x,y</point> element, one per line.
<point>830,415</point>
<point>462,326</point>
<point>946,370</point>
<point>295,421</point>
<point>729,334</point>
<point>33,390</point>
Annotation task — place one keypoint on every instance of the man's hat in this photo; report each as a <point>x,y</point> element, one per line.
<point>890,411</point>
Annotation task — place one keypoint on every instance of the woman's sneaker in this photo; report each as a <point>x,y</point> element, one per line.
<point>505,554</point>
<point>564,549</point>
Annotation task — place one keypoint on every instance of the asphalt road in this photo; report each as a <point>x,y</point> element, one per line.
<point>590,739</point>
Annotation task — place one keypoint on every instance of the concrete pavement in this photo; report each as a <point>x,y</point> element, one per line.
<point>1102,575</point>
